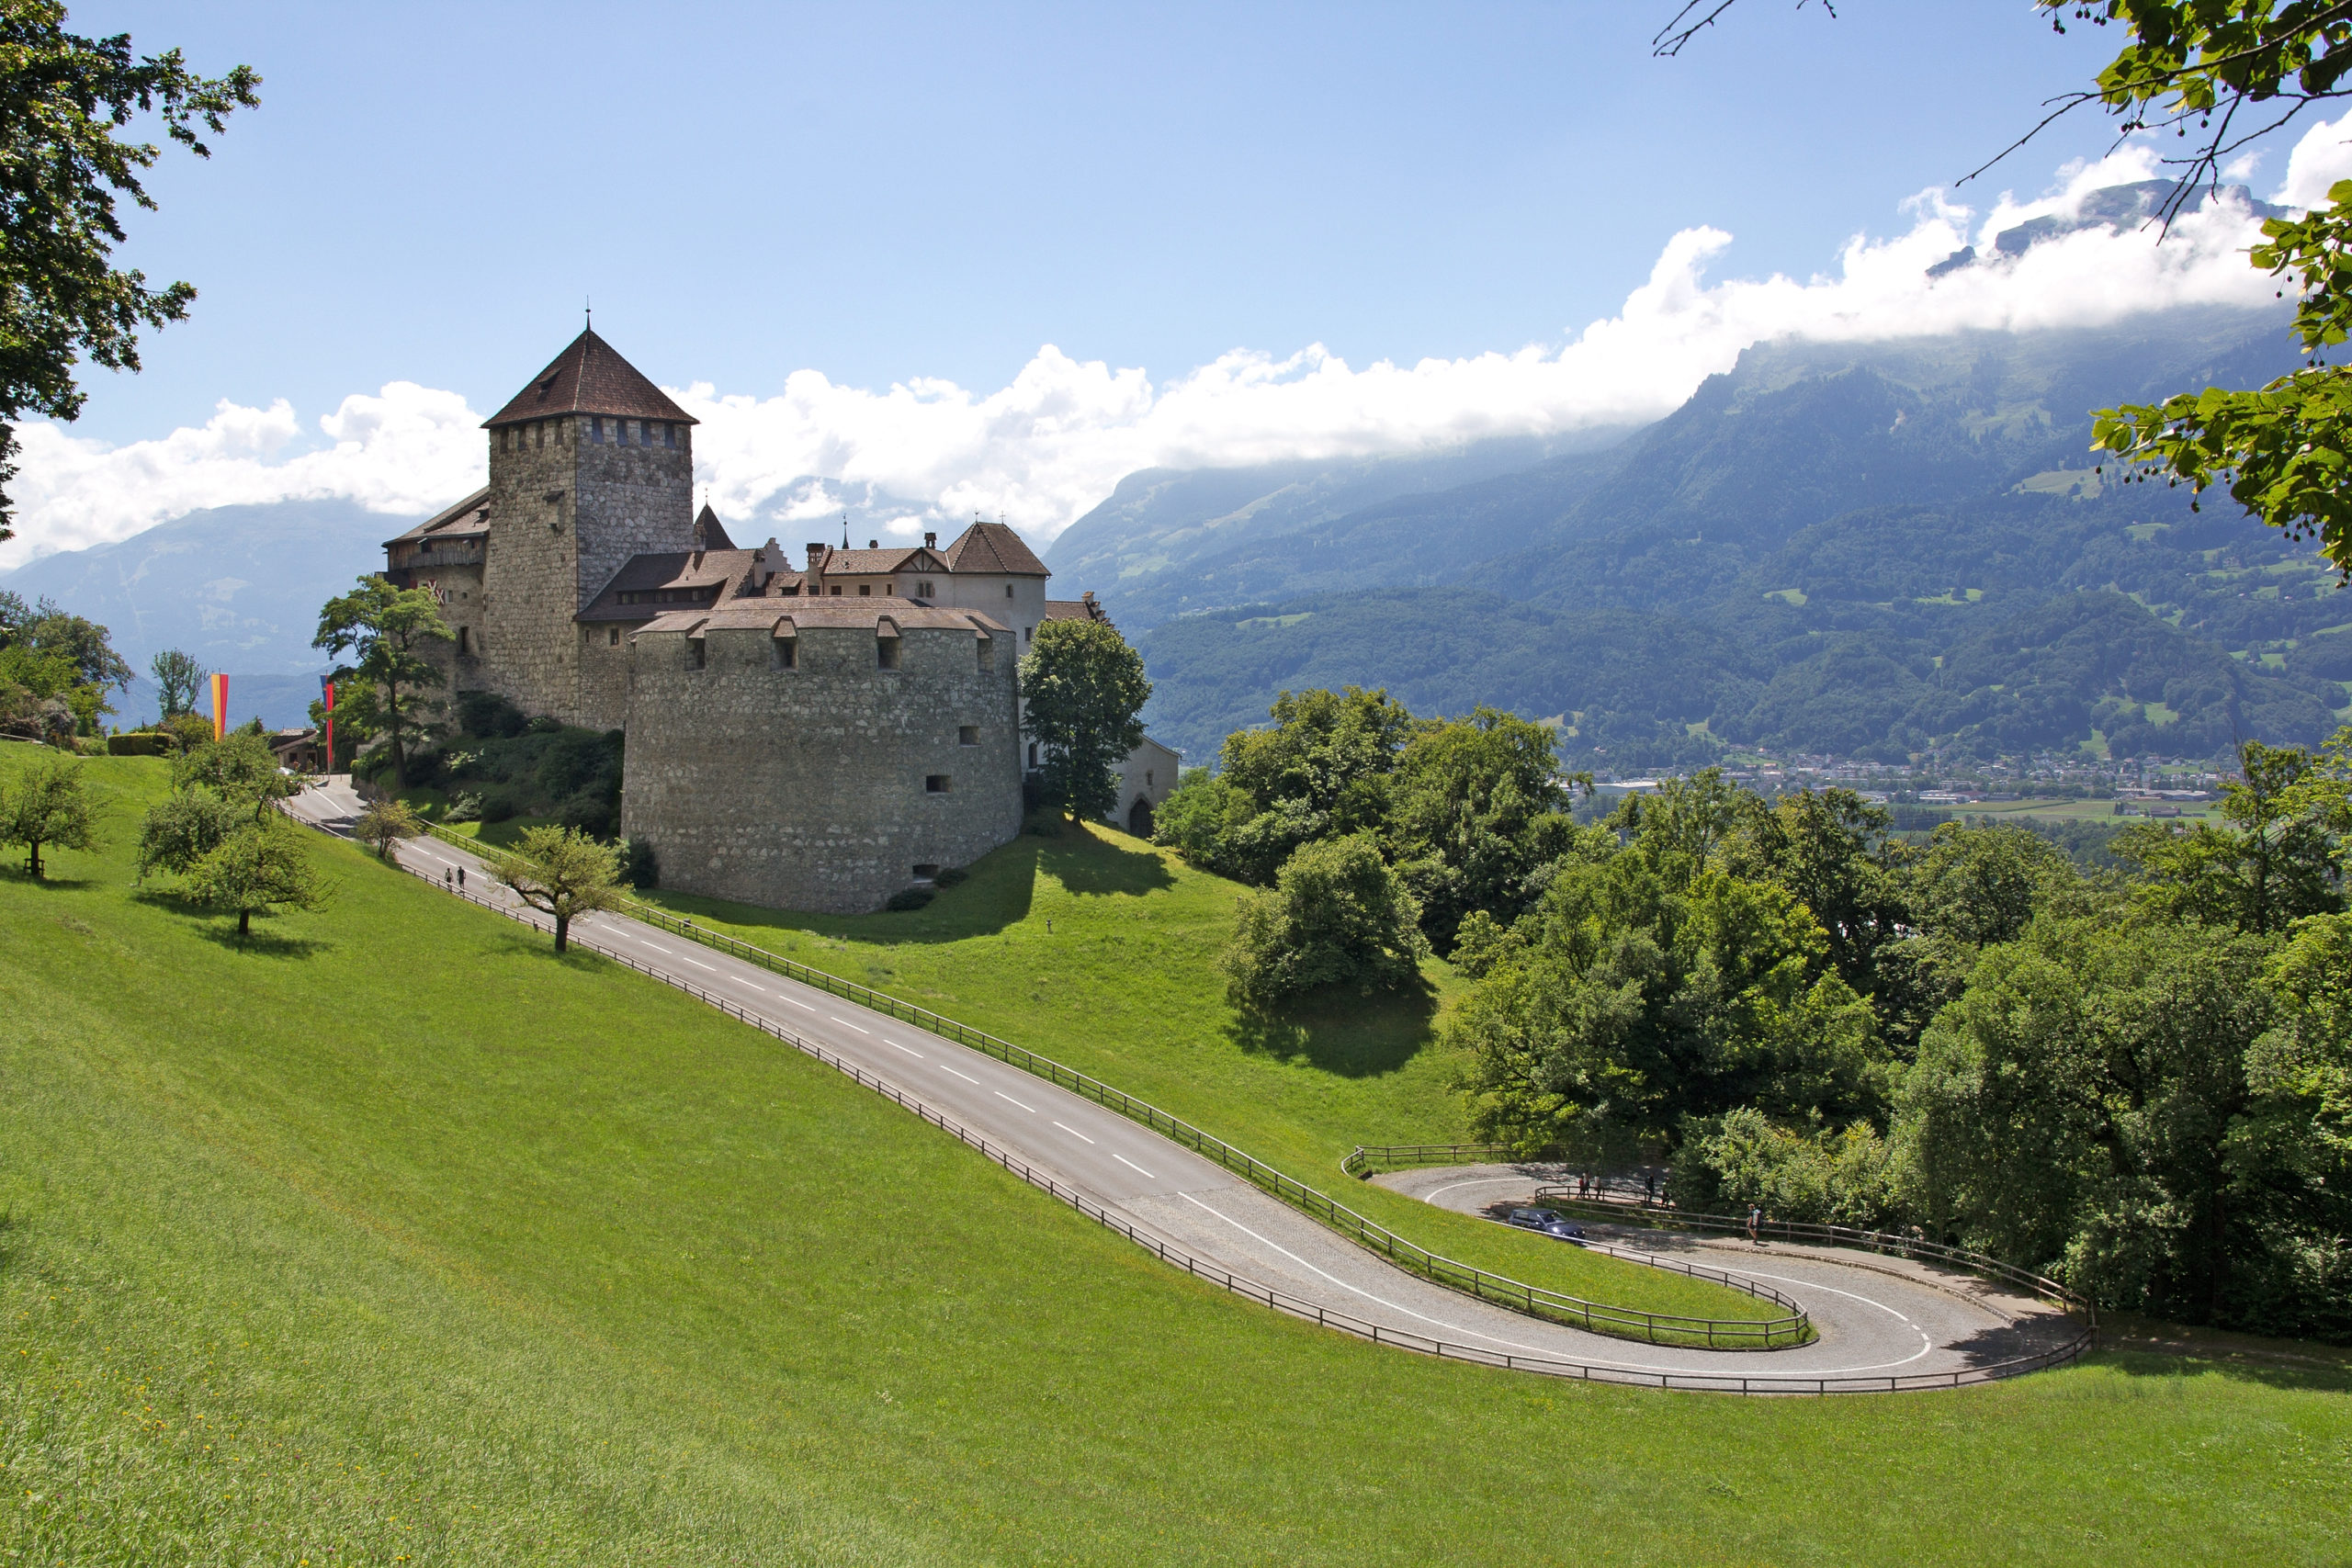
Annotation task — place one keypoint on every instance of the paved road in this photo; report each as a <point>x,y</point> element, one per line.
<point>1872,1324</point>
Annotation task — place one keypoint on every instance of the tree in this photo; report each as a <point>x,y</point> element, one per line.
<point>48,805</point>
<point>2237,71</point>
<point>385,630</point>
<point>564,872</point>
<point>2273,863</point>
<point>384,823</point>
<point>1477,811</point>
<point>185,827</point>
<point>240,767</point>
<point>1081,687</point>
<point>55,669</point>
<point>1322,771</point>
<point>63,167</point>
<point>178,678</point>
<point>1981,887</point>
<point>1335,917</point>
<point>258,870</point>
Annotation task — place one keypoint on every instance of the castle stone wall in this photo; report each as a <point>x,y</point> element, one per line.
<point>805,788</point>
<point>565,512</point>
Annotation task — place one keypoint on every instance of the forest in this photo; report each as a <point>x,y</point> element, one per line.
<point>2137,1080</point>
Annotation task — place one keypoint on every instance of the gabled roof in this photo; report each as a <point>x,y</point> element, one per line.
<point>716,574</point>
<point>855,563</point>
<point>711,534</point>
<point>1079,609</point>
<point>992,547</point>
<point>471,515</point>
<point>589,377</point>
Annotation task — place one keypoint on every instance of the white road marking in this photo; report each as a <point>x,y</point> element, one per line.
<point>1008,1099</point>
<point>1074,1132</point>
<point>749,987</point>
<point>907,1049</point>
<point>1482,1181</point>
<point>804,1007</point>
<point>650,948</point>
<point>700,964</point>
<point>1131,1165</point>
<point>966,1076</point>
<point>846,1023</point>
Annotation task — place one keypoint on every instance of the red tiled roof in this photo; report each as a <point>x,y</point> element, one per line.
<point>589,377</point>
<point>992,547</point>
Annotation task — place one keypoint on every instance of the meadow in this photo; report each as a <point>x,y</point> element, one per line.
<point>389,1237</point>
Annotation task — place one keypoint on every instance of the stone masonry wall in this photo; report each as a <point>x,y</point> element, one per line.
<point>805,788</point>
<point>565,512</point>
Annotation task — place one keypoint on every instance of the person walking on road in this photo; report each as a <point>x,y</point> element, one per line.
<point>461,879</point>
<point>450,880</point>
<point>1755,1225</point>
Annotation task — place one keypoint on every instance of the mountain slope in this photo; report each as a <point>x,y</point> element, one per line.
<point>1873,550</point>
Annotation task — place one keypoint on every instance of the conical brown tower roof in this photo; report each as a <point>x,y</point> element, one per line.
<point>589,377</point>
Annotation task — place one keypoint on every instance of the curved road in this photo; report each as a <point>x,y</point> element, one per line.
<point>1885,1320</point>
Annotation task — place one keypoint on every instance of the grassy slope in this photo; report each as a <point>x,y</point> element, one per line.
<point>393,1238</point>
<point>1100,951</point>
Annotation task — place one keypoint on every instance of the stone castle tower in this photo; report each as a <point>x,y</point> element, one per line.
<point>590,465</point>
<point>815,735</point>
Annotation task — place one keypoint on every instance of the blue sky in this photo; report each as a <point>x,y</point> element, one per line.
<point>920,262</point>
<point>886,191</point>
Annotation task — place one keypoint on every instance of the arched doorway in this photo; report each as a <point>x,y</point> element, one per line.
<point>1139,818</point>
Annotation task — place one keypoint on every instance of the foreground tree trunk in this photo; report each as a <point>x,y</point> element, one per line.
<point>33,863</point>
<point>244,924</point>
<point>562,931</point>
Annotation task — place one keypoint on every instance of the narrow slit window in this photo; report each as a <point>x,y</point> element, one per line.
<point>885,652</point>
<point>697,654</point>
<point>936,784</point>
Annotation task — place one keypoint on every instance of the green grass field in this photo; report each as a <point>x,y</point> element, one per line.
<point>389,1237</point>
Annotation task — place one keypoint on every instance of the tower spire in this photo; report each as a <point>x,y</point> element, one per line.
<point>588,314</point>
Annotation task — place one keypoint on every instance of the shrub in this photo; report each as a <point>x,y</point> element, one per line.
<point>143,743</point>
<point>496,807</point>
<point>907,899</point>
<point>543,724</point>
<point>1336,916</point>
<point>639,868</point>
<point>487,715</point>
<point>465,809</point>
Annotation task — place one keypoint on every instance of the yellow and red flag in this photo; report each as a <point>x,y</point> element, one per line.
<point>219,707</point>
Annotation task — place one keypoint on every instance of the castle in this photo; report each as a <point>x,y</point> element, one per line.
<point>818,736</point>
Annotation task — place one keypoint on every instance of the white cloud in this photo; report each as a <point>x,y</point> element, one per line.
<point>1050,445</point>
<point>407,448</point>
<point>2323,157</point>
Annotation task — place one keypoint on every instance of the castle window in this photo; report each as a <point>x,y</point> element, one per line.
<point>783,653</point>
<point>866,591</point>
<point>1032,753</point>
<point>1028,634</point>
<point>987,660</point>
<point>668,436</point>
<point>596,430</point>
<point>967,735</point>
<point>613,637</point>
<point>926,872</point>
<point>464,638</point>
<point>1008,590</point>
<point>935,783</point>
<point>885,652</point>
<point>837,590</point>
<point>697,654</point>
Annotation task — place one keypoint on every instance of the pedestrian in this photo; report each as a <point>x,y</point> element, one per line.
<point>1649,1187</point>
<point>1755,1223</point>
<point>450,880</point>
<point>461,879</point>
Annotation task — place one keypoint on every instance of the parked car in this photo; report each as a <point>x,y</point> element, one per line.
<point>1546,1222</point>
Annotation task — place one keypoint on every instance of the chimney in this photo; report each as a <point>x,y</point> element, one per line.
<point>873,544</point>
<point>931,541</point>
<point>816,555</point>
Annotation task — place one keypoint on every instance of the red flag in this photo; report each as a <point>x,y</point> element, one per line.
<point>327,686</point>
<point>219,707</point>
